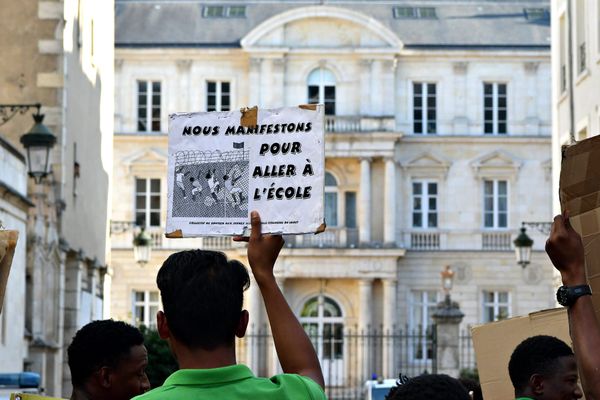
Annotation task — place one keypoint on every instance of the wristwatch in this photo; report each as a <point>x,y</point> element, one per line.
<point>566,296</point>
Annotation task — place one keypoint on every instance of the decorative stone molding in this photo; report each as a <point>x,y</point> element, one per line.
<point>183,65</point>
<point>531,67</point>
<point>497,164</point>
<point>148,162</point>
<point>460,68</point>
<point>427,165</point>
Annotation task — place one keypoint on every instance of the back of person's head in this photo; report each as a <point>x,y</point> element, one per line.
<point>202,294</point>
<point>536,355</point>
<point>473,388</point>
<point>103,343</point>
<point>429,387</point>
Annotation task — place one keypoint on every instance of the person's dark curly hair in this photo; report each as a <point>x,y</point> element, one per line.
<point>535,355</point>
<point>429,387</point>
<point>202,294</point>
<point>100,344</point>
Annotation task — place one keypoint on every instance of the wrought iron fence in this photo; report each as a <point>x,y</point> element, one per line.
<point>467,362</point>
<point>349,356</point>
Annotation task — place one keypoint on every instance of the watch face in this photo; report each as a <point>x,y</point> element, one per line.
<point>562,296</point>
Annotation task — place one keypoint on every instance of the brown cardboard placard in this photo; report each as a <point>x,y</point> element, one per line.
<point>8,243</point>
<point>495,342</point>
<point>580,195</point>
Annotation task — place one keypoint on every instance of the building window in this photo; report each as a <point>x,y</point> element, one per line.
<point>321,89</point>
<point>424,108</point>
<point>218,96</point>
<point>494,108</point>
<point>496,306</point>
<point>147,202</point>
<point>322,319</point>
<point>331,200</point>
<point>495,204</point>
<point>224,11</point>
<point>148,108</point>
<point>537,14</point>
<point>563,54</point>
<point>145,306</point>
<point>581,39</point>
<point>422,304</point>
<point>424,202</point>
<point>414,12</point>
<point>350,209</point>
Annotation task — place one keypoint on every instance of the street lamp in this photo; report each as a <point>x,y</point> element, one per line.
<point>37,142</point>
<point>142,247</point>
<point>447,275</point>
<point>523,244</point>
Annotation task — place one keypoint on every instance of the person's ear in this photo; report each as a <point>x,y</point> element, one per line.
<point>162,326</point>
<point>104,377</point>
<point>536,383</point>
<point>240,330</point>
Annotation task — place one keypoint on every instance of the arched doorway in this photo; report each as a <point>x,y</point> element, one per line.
<point>323,320</point>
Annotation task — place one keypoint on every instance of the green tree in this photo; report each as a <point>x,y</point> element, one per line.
<point>161,363</point>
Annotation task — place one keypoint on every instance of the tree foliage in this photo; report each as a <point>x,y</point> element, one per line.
<point>161,363</point>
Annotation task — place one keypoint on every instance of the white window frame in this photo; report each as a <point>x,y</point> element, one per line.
<point>425,196</point>
<point>219,94</point>
<point>322,83</point>
<point>147,194</point>
<point>339,199</point>
<point>424,107</point>
<point>495,203</point>
<point>495,304</point>
<point>581,23</point>
<point>149,95</point>
<point>495,108</point>
<point>149,320</point>
<point>419,298</point>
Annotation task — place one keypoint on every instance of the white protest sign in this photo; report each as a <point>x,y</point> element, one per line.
<point>222,165</point>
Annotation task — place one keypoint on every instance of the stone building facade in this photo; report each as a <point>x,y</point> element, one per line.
<point>60,54</point>
<point>437,148</point>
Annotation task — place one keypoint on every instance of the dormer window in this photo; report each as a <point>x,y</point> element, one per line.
<point>414,12</point>
<point>224,12</point>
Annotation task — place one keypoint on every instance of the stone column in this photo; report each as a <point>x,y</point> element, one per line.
<point>376,89</point>
<point>364,224</point>
<point>254,357</point>
<point>365,87</point>
<point>365,298</point>
<point>254,95</point>
<point>389,228</point>
<point>278,87</point>
<point>447,318</point>
<point>389,326</point>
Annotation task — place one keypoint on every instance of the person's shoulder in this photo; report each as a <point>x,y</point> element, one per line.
<point>297,384</point>
<point>156,393</point>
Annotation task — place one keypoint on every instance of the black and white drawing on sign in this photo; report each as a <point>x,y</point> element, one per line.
<point>211,184</point>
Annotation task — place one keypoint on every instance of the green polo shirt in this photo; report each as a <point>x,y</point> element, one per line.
<point>231,383</point>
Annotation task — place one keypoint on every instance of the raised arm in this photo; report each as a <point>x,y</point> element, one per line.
<point>294,349</point>
<point>566,251</point>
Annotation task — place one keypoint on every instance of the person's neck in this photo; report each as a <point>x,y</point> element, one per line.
<point>526,394</point>
<point>80,394</point>
<point>198,358</point>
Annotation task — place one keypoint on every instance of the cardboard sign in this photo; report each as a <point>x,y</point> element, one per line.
<point>580,195</point>
<point>495,342</point>
<point>222,165</point>
<point>8,243</point>
<point>27,396</point>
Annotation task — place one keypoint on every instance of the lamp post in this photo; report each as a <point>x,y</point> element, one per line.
<point>37,142</point>
<point>523,244</point>
<point>447,275</point>
<point>142,247</point>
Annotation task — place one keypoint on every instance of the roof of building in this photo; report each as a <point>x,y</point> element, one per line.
<point>457,23</point>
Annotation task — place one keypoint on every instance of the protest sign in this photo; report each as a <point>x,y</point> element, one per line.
<point>8,242</point>
<point>27,396</point>
<point>495,342</point>
<point>580,196</point>
<point>222,165</point>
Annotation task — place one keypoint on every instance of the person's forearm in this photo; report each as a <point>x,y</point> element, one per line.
<point>294,348</point>
<point>585,334</point>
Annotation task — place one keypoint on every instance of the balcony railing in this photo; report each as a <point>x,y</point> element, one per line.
<point>331,238</point>
<point>124,240</point>
<point>424,240</point>
<point>499,241</point>
<point>341,124</point>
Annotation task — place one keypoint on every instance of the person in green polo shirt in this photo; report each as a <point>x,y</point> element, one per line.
<point>202,295</point>
<point>544,368</point>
